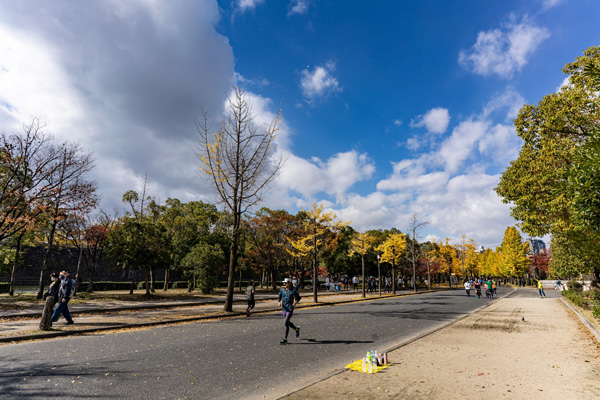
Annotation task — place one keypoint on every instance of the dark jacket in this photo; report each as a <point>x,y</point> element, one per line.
<point>53,290</point>
<point>65,290</point>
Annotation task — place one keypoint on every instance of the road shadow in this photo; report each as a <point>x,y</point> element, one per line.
<point>339,341</point>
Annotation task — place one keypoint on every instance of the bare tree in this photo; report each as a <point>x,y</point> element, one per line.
<point>28,160</point>
<point>413,246</point>
<point>239,161</point>
<point>71,194</point>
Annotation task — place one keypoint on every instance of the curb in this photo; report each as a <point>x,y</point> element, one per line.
<point>583,319</point>
<point>141,307</point>
<point>55,334</point>
<point>401,344</point>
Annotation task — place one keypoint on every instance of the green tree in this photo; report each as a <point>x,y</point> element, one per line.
<point>574,253</point>
<point>186,225</point>
<point>552,133</point>
<point>205,262</point>
<point>138,245</point>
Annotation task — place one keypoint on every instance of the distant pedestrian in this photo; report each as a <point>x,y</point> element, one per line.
<point>468,288</point>
<point>250,297</point>
<point>388,286</point>
<point>355,283</point>
<point>287,299</point>
<point>346,281</point>
<point>64,295</point>
<point>541,290</point>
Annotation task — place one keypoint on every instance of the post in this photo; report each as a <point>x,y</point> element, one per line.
<point>379,273</point>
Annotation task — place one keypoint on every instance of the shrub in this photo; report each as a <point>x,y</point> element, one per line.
<point>103,286</point>
<point>595,295</point>
<point>4,287</point>
<point>596,311</point>
<point>574,285</point>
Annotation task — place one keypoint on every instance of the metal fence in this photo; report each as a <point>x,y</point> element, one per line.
<point>21,285</point>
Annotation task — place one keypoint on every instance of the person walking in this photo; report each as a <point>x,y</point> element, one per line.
<point>355,283</point>
<point>250,297</point>
<point>64,295</point>
<point>541,290</point>
<point>287,299</point>
<point>468,288</point>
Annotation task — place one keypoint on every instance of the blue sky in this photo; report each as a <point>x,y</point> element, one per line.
<point>389,108</point>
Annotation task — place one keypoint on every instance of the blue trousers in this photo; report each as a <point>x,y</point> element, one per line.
<point>62,308</point>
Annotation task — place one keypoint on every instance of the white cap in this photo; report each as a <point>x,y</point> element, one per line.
<point>287,280</point>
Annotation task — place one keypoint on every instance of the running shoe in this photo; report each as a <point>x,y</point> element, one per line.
<point>283,341</point>
<point>297,331</point>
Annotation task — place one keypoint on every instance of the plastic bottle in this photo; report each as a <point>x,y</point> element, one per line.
<point>370,367</point>
<point>364,365</point>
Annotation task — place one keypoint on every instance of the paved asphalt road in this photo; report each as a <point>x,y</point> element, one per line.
<point>226,359</point>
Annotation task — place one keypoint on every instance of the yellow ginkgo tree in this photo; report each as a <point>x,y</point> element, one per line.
<point>361,244</point>
<point>316,225</point>
<point>447,256</point>
<point>391,252</point>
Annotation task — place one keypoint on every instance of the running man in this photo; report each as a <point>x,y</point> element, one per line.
<point>468,288</point>
<point>287,300</point>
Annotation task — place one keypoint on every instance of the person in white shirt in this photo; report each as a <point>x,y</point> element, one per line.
<point>355,283</point>
<point>468,288</point>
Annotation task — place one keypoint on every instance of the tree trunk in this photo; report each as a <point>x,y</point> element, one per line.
<point>228,307</point>
<point>90,287</point>
<point>78,268</point>
<point>146,283</point>
<point>393,278</point>
<point>132,283</point>
<point>13,273</point>
<point>315,276</point>
<point>364,289</point>
<point>40,292</point>
<point>45,323</point>
<point>167,276</point>
<point>240,279</point>
<point>152,280</point>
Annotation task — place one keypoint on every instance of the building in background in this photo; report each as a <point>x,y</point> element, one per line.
<point>536,247</point>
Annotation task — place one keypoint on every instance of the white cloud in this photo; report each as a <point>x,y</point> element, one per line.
<point>333,177</point>
<point>547,4</point>
<point>121,81</point>
<point>510,100</point>
<point>246,5</point>
<point>565,83</point>
<point>435,120</point>
<point>319,83</point>
<point>299,7</point>
<point>458,147</point>
<point>456,202</point>
<point>503,51</point>
<point>413,143</point>
<point>397,122</point>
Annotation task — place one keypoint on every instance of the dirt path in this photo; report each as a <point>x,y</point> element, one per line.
<point>490,354</point>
